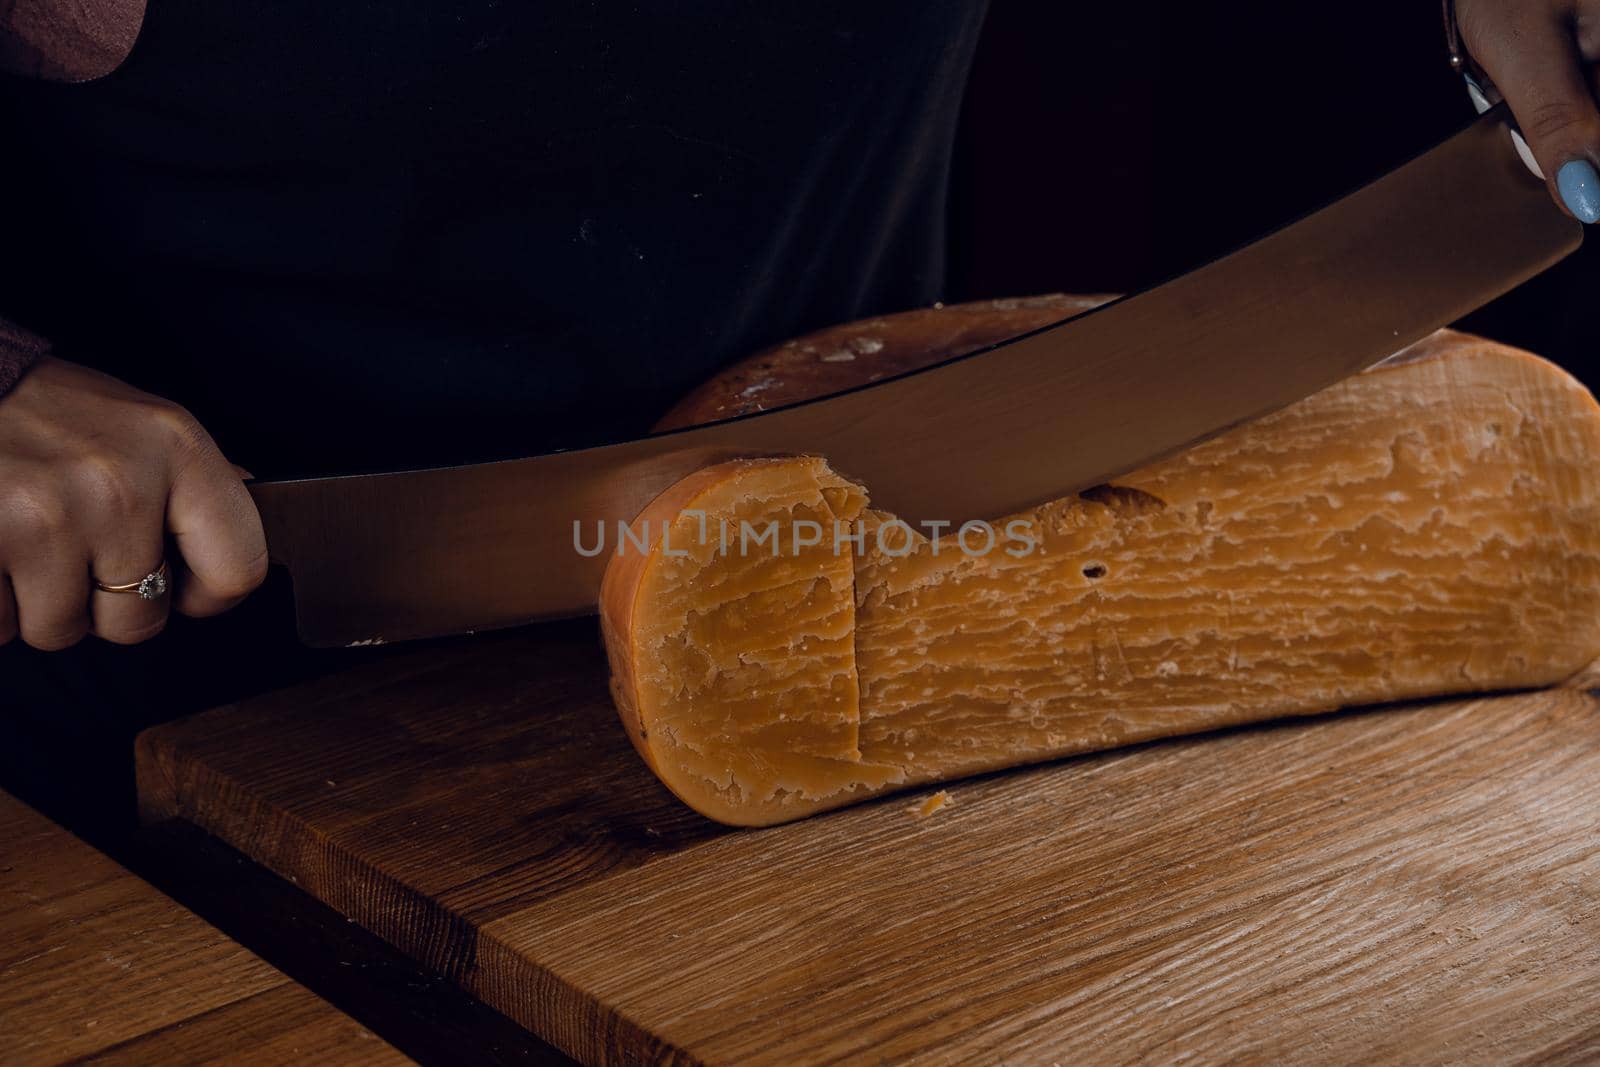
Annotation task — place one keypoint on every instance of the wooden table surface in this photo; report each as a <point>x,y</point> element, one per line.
<point>96,964</point>
<point>1418,883</point>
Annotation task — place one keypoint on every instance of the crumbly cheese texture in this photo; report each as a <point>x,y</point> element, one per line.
<point>1429,527</point>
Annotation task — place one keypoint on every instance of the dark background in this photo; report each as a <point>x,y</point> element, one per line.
<point>1108,146</point>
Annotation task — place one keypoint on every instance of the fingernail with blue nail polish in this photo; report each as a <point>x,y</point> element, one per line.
<point>1580,189</point>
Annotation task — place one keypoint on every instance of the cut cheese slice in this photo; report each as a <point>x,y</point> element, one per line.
<point>1429,527</point>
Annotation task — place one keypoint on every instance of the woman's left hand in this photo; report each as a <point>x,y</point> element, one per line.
<point>1541,55</point>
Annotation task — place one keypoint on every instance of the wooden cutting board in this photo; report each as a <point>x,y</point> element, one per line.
<point>96,964</point>
<point>1415,882</point>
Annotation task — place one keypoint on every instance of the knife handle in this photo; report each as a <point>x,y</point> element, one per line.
<point>1481,99</point>
<point>1480,88</point>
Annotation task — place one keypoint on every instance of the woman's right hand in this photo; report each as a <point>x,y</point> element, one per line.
<point>96,479</point>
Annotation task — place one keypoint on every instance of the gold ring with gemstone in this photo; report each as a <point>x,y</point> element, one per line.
<point>152,586</point>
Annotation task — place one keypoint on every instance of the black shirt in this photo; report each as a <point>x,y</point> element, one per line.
<point>368,235</point>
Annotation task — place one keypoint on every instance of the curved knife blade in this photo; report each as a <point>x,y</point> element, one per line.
<point>452,550</point>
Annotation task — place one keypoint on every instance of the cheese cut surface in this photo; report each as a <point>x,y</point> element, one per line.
<point>1429,527</point>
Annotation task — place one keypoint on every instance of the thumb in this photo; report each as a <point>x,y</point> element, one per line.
<point>1531,52</point>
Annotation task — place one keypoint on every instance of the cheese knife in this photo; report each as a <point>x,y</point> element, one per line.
<point>421,553</point>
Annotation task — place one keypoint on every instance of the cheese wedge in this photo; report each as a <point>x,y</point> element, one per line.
<point>1429,527</point>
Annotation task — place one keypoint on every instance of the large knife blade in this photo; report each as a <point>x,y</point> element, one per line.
<point>452,550</point>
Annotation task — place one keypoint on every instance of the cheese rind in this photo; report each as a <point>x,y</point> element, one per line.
<point>1429,527</point>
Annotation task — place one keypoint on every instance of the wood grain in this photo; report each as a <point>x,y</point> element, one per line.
<point>96,964</point>
<point>1410,883</point>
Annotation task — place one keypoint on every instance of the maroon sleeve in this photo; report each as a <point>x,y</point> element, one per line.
<point>19,350</point>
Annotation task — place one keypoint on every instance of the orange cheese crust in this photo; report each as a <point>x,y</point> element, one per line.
<point>1429,527</point>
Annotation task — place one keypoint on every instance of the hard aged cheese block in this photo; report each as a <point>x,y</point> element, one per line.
<point>1429,527</point>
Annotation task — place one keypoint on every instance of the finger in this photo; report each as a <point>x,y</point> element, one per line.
<point>52,596</point>
<point>123,556</point>
<point>221,548</point>
<point>1532,56</point>
<point>8,612</point>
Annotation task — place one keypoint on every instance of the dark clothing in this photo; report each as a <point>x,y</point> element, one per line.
<point>367,235</point>
<point>18,352</point>
<point>370,235</point>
